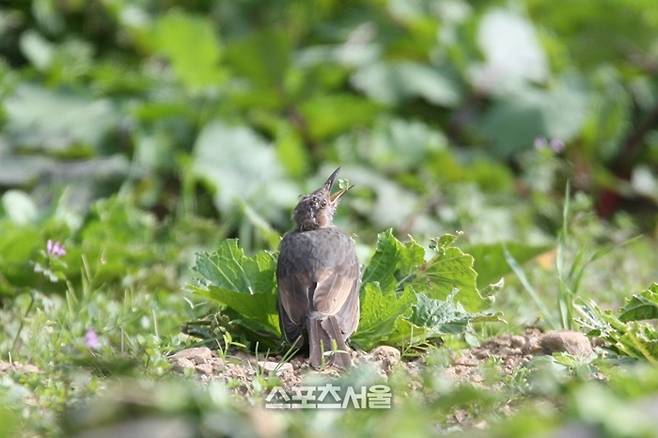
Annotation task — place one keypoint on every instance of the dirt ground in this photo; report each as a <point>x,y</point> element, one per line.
<point>239,370</point>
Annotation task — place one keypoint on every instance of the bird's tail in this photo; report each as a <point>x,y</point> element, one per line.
<point>326,342</point>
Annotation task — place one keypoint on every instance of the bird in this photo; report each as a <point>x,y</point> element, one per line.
<point>319,277</point>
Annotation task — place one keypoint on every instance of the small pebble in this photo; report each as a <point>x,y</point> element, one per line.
<point>574,343</point>
<point>198,355</point>
<point>181,363</point>
<point>517,341</point>
<point>204,368</point>
<point>388,353</point>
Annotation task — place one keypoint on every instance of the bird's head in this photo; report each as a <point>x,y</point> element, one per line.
<point>316,210</point>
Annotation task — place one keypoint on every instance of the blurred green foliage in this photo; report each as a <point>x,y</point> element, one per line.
<point>241,103</point>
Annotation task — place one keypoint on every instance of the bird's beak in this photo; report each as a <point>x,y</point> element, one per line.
<point>336,196</point>
<point>329,184</point>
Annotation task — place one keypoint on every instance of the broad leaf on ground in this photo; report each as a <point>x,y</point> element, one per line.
<point>449,269</point>
<point>380,309</point>
<point>440,316</point>
<point>228,267</point>
<point>244,284</point>
<point>392,261</point>
<point>405,299</point>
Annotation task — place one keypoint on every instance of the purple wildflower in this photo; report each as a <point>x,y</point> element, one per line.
<point>555,144</point>
<point>55,248</point>
<point>91,340</point>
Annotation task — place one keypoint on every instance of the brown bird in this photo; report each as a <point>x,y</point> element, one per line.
<point>319,278</point>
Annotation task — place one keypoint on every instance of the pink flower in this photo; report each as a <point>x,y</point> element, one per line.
<point>91,340</point>
<point>555,144</point>
<point>55,248</point>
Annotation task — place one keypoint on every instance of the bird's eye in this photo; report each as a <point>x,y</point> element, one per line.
<point>323,203</point>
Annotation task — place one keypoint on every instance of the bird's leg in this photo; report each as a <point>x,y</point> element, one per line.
<point>325,336</point>
<point>341,356</point>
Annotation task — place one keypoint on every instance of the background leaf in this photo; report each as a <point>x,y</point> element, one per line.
<point>172,36</point>
<point>490,262</point>
<point>57,120</point>
<point>241,166</point>
<point>391,83</point>
<point>511,49</point>
<point>19,207</point>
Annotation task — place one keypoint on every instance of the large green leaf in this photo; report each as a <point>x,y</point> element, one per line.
<point>244,284</point>
<point>405,299</point>
<point>490,263</point>
<point>450,271</point>
<point>229,268</point>
<point>392,261</point>
<point>439,316</point>
<point>379,311</point>
<point>258,310</point>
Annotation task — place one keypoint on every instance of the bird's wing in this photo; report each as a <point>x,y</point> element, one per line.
<point>337,286</point>
<point>293,303</point>
<point>336,305</point>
